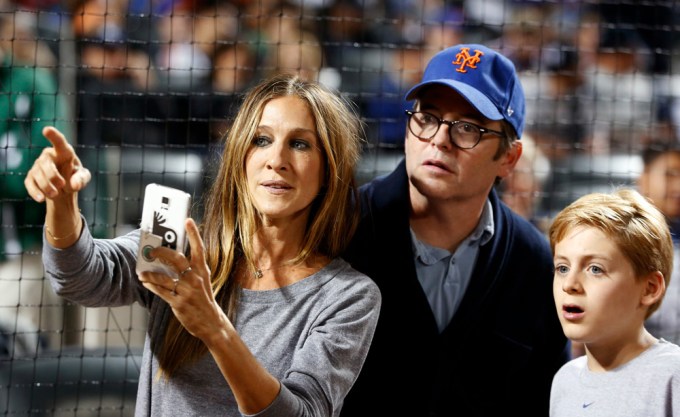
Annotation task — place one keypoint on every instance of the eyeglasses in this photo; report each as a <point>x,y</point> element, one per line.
<point>464,135</point>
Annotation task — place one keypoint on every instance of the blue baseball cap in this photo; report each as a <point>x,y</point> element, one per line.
<point>484,77</point>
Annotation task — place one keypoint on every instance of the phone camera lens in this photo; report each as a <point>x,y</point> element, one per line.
<point>146,252</point>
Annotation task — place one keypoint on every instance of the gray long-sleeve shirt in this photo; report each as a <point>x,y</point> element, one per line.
<point>312,335</point>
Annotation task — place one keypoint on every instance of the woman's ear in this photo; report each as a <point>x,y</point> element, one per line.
<point>654,289</point>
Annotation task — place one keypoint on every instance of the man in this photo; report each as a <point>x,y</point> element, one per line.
<point>468,324</point>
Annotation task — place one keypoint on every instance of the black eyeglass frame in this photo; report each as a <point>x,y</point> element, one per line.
<point>451,124</point>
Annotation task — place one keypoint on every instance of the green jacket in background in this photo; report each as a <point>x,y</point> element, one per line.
<point>29,101</point>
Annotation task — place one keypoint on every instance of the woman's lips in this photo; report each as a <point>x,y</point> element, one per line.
<point>276,187</point>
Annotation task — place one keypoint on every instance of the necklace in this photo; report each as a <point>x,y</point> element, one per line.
<point>259,273</point>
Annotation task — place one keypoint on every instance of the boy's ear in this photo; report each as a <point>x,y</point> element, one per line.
<point>655,287</point>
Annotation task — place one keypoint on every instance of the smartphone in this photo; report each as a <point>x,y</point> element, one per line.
<point>163,215</point>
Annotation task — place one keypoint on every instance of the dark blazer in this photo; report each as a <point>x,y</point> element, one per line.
<point>504,344</point>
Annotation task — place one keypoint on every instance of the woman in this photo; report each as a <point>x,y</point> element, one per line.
<point>266,319</point>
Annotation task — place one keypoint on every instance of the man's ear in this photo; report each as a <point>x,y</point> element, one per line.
<point>510,159</point>
<point>654,288</point>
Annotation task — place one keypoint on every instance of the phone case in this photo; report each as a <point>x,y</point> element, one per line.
<point>165,210</point>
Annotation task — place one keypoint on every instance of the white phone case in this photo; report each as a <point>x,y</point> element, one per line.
<point>165,210</point>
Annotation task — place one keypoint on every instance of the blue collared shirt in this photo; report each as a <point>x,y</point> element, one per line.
<point>445,276</point>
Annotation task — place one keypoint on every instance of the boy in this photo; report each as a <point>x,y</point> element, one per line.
<point>613,258</point>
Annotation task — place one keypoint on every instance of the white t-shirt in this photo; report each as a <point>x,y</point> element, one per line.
<point>647,386</point>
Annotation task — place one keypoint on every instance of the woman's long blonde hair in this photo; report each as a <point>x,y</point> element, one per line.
<point>231,221</point>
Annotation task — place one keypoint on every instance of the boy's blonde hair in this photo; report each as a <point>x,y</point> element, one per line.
<point>635,225</point>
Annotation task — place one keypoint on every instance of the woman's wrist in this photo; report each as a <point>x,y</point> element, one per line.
<point>57,238</point>
<point>63,223</point>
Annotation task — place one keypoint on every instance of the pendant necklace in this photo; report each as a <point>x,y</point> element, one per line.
<point>259,273</point>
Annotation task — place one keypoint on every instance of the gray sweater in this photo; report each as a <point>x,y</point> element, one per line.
<point>312,335</point>
<point>647,386</point>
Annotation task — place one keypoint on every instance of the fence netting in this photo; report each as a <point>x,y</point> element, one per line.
<point>145,89</point>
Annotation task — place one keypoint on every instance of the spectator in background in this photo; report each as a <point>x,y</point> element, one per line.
<point>92,17</point>
<point>348,34</point>
<point>287,42</point>
<point>112,76</point>
<point>344,26</point>
<point>214,23</point>
<point>556,109</point>
<point>439,27</point>
<point>660,182</point>
<point>651,21</point>
<point>525,34</point>
<point>523,188</point>
<point>183,64</point>
<point>198,104</point>
<point>620,94</point>
<point>233,67</point>
<point>442,26</point>
<point>384,109</point>
<point>233,73</point>
<point>297,52</point>
<point>30,102</point>
<point>536,40</point>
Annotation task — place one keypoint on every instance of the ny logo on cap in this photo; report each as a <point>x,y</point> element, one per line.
<point>464,59</point>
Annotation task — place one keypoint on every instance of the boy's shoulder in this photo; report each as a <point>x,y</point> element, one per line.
<point>662,359</point>
<point>669,351</point>
<point>572,367</point>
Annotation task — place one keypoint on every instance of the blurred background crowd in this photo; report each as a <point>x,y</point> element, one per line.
<point>145,89</point>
